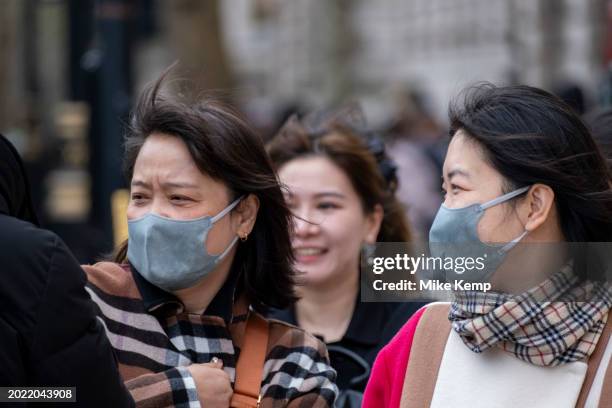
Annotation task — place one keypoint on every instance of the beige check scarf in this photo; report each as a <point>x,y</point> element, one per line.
<point>557,322</point>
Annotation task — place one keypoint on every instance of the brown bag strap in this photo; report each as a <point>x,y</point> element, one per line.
<point>425,358</point>
<point>249,368</point>
<point>605,399</point>
<point>593,365</point>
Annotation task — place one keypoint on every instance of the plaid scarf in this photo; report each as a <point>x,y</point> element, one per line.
<point>557,322</point>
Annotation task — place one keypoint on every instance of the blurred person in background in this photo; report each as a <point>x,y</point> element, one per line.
<point>572,94</point>
<point>208,252</point>
<point>415,144</point>
<point>521,167</point>
<point>340,187</point>
<point>49,333</point>
<point>600,124</point>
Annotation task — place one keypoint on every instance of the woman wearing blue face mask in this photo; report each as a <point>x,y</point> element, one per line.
<point>208,250</point>
<point>524,183</point>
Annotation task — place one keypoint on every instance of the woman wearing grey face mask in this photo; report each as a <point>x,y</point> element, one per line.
<point>208,253</point>
<point>524,182</point>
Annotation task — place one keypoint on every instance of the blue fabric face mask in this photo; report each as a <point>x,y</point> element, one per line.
<point>454,233</point>
<point>171,254</point>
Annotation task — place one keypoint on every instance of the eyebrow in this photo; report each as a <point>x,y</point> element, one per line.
<point>140,183</point>
<point>323,194</point>
<point>166,185</point>
<point>329,194</point>
<point>174,184</point>
<point>457,172</point>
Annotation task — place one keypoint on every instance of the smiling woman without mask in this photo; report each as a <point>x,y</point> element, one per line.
<point>522,159</point>
<point>343,197</point>
<point>208,250</point>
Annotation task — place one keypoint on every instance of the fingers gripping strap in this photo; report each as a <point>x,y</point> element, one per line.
<point>249,369</point>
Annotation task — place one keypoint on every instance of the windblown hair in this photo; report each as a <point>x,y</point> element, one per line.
<point>227,149</point>
<point>530,136</point>
<point>361,158</point>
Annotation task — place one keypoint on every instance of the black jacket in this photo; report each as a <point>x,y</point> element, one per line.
<point>372,326</point>
<point>49,335</point>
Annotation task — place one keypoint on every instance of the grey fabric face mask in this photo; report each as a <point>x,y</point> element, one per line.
<point>454,233</point>
<point>171,254</point>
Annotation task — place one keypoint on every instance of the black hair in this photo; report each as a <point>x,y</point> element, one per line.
<point>358,153</point>
<point>15,198</point>
<point>600,124</point>
<point>531,136</point>
<point>227,149</point>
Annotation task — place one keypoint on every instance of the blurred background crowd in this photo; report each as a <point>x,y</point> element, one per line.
<point>71,69</point>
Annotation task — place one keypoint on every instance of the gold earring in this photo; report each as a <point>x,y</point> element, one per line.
<point>244,237</point>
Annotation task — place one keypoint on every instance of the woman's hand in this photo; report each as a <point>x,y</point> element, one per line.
<point>213,384</point>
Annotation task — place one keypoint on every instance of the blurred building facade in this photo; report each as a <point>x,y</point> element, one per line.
<point>72,67</point>
<point>320,52</point>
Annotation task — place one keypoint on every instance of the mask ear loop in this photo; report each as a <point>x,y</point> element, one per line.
<point>226,210</point>
<point>499,200</point>
<point>513,243</point>
<point>226,250</point>
<point>217,217</point>
<point>504,197</point>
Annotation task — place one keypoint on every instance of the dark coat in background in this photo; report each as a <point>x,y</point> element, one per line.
<point>49,335</point>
